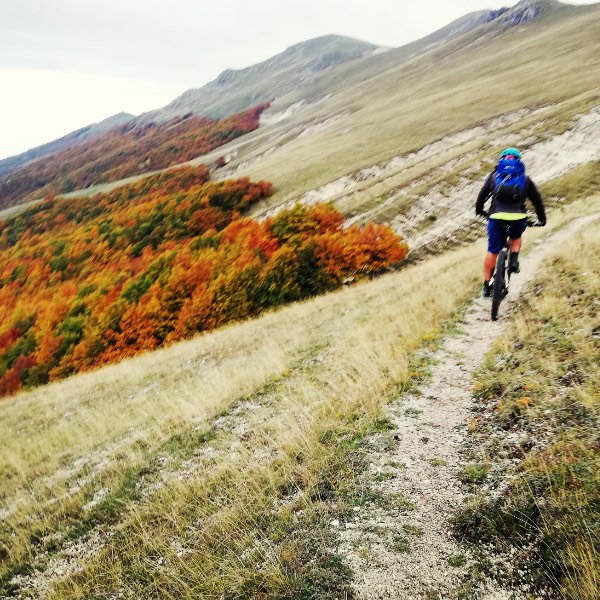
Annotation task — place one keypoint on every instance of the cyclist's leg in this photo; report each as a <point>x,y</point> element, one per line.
<point>515,245</point>
<point>515,231</point>
<point>496,238</point>
<point>488,265</point>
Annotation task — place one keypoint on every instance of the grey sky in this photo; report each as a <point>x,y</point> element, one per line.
<point>67,63</point>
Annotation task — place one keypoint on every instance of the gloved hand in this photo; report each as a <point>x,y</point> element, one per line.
<point>482,213</point>
<point>542,222</point>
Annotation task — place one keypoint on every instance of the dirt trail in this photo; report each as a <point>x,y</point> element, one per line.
<point>404,549</point>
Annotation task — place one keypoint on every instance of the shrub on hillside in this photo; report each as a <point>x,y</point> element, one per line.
<point>86,282</point>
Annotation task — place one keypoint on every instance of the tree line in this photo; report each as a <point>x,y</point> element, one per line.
<point>89,281</point>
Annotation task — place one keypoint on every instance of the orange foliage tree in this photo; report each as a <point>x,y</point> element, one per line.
<point>123,151</point>
<point>86,282</point>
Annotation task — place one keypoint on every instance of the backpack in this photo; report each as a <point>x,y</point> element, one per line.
<point>509,182</point>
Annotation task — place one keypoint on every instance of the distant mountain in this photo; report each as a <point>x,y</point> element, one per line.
<point>12,163</point>
<point>305,66</point>
<point>475,24</point>
<point>471,30</point>
<point>332,66</point>
<point>235,90</point>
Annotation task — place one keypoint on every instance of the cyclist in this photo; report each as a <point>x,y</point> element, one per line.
<point>508,187</point>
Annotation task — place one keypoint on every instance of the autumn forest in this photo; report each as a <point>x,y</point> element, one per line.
<point>88,281</point>
<point>126,150</point>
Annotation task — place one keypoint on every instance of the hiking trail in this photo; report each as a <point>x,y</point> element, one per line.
<point>404,548</point>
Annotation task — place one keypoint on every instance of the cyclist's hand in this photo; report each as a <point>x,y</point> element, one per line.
<point>484,214</point>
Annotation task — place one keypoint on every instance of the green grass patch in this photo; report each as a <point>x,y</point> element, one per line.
<point>574,185</point>
<point>412,529</point>
<point>400,544</point>
<point>457,560</point>
<point>475,473</point>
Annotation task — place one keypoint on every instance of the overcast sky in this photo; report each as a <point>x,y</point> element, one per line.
<point>68,63</point>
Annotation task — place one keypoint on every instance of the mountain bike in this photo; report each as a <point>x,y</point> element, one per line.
<point>501,277</point>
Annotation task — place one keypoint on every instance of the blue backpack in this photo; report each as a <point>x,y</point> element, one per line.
<point>509,181</point>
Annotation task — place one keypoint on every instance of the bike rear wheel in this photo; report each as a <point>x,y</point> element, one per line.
<point>499,284</point>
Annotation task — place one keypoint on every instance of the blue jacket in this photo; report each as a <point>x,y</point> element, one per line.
<point>531,192</point>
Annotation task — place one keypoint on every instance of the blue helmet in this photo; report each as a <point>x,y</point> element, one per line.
<point>513,152</point>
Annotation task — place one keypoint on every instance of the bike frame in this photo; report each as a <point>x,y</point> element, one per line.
<point>501,277</point>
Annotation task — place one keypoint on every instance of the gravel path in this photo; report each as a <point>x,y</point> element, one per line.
<point>403,548</point>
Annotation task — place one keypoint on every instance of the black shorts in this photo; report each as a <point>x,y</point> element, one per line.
<point>498,229</point>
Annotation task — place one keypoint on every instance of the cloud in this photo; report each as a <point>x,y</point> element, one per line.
<point>181,40</point>
<point>125,54</point>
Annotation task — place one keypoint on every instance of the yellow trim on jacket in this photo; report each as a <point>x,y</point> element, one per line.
<point>505,216</point>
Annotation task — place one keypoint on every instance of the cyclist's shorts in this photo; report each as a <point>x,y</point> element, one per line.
<point>497,232</point>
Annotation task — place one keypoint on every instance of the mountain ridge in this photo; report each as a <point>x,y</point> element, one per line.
<point>202,100</point>
<point>331,59</point>
<point>12,163</point>
<point>281,71</point>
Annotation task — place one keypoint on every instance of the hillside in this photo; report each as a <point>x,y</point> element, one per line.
<point>85,282</point>
<point>11,164</point>
<point>382,438</point>
<point>123,151</point>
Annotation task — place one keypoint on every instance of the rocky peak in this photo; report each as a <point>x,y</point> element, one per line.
<point>527,10</point>
<point>225,77</point>
<point>494,14</point>
<point>522,12</point>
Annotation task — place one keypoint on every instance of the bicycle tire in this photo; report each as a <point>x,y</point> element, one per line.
<point>498,284</point>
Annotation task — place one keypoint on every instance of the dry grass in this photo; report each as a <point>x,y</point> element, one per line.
<point>196,453</point>
<point>308,367</point>
<point>540,404</point>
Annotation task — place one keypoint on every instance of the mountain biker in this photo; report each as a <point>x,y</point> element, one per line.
<point>508,187</point>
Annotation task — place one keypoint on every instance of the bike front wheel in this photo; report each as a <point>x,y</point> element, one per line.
<point>498,284</point>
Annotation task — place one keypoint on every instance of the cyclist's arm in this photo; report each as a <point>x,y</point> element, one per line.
<point>483,195</point>
<point>536,199</point>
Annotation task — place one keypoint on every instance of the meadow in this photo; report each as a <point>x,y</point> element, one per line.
<point>213,466</point>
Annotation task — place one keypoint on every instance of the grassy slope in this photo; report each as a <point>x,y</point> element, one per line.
<point>540,405</point>
<point>325,364</point>
<point>319,373</point>
<point>448,89</point>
